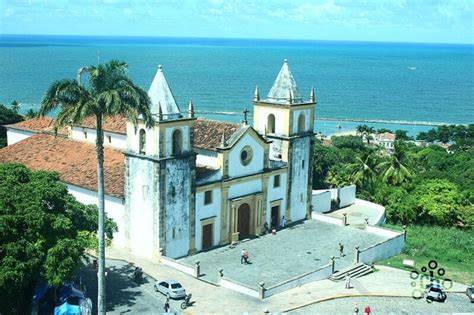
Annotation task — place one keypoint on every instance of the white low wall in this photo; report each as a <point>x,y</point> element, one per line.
<point>382,231</point>
<point>232,285</point>
<point>379,220</point>
<point>346,196</point>
<point>176,265</point>
<point>325,218</point>
<point>319,274</point>
<point>384,250</point>
<point>321,201</point>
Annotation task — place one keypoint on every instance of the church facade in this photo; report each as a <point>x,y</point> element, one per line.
<point>191,184</point>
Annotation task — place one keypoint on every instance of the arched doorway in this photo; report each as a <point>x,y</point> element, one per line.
<point>243,221</point>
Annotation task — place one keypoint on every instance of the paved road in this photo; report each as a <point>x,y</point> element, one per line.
<point>455,303</point>
<point>124,295</point>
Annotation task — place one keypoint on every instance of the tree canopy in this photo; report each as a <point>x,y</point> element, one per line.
<point>44,232</point>
<point>416,184</point>
<point>7,116</point>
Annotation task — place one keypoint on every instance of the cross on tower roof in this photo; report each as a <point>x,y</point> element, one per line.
<point>245,112</point>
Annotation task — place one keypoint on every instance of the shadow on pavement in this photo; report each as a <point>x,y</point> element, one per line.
<point>122,290</point>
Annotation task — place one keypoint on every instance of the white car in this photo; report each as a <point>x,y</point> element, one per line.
<point>171,288</point>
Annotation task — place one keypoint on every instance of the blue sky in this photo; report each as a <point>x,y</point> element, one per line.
<point>441,21</point>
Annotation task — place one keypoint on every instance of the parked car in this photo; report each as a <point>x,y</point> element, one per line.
<point>434,293</point>
<point>171,288</point>
<point>470,293</point>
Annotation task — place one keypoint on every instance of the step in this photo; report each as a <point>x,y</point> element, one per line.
<point>342,273</point>
<point>354,271</point>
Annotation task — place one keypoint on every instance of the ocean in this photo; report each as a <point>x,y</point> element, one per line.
<point>385,85</point>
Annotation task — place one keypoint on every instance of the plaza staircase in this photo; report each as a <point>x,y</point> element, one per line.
<point>354,271</point>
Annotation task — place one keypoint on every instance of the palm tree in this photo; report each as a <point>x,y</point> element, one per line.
<point>395,170</point>
<point>365,132</point>
<point>363,171</point>
<point>31,114</point>
<point>15,106</point>
<point>109,92</point>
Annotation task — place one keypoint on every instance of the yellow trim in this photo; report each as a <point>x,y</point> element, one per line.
<point>238,180</point>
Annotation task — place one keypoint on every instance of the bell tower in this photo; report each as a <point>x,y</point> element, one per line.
<point>160,178</point>
<point>287,120</point>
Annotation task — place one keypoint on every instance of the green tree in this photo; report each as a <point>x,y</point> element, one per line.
<point>110,92</point>
<point>31,113</point>
<point>15,106</point>
<point>366,132</point>
<point>43,231</point>
<point>402,135</point>
<point>394,170</point>
<point>383,130</point>
<point>350,142</point>
<point>7,116</point>
<point>363,171</point>
<point>437,201</point>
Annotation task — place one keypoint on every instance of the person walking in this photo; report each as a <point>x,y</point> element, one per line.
<point>356,309</point>
<point>367,310</point>
<point>348,282</point>
<point>341,250</point>
<point>167,306</point>
<point>242,256</point>
<point>246,257</point>
<point>283,221</point>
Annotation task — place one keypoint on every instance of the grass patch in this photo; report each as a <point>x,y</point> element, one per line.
<point>452,248</point>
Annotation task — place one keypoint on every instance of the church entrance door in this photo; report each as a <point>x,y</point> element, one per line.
<point>207,236</point>
<point>244,221</point>
<point>275,216</point>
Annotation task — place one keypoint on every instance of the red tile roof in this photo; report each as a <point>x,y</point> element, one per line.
<point>117,124</point>
<point>34,124</point>
<point>74,161</point>
<point>385,136</point>
<point>208,133</point>
<point>39,124</point>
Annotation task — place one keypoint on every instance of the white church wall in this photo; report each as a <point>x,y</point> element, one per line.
<point>15,135</point>
<point>152,137</point>
<point>206,157</point>
<point>114,207</point>
<point>261,118</point>
<point>212,210</point>
<point>246,188</point>
<point>177,190</point>
<point>141,205</point>
<point>111,139</point>
<point>296,115</point>
<point>236,168</point>
<point>321,201</point>
<point>299,180</point>
<point>276,193</point>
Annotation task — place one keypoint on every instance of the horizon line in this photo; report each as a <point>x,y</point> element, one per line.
<point>244,38</point>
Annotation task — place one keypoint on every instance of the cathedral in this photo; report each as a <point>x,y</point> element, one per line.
<point>187,184</point>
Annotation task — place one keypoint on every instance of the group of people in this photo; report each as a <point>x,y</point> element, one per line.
<point>367,310</point>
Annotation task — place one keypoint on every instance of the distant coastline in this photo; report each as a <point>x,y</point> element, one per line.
<point>100,40</point>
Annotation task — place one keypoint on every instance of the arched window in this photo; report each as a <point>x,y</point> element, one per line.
<point>301,126</point>
<point>271,123</point>
<point>177,142</point>
<point>142,141</point>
